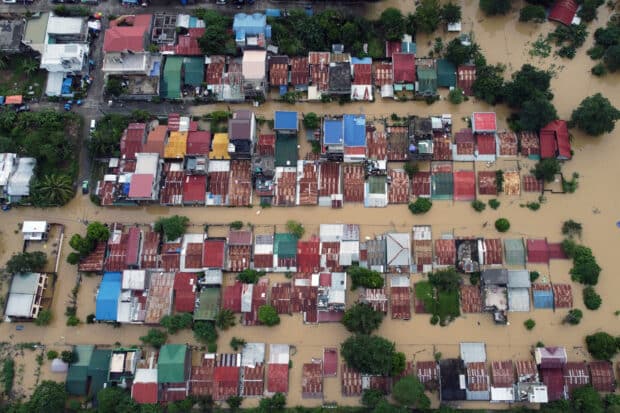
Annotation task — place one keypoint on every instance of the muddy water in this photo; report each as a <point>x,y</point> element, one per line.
<point>595,205</point>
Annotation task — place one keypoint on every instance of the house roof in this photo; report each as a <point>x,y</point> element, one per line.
<point>398,247</point>
<point>473,352</point>
<point>286,120</point>
<point>198,143</point>
<point>445,251</point>
<point>155,140</point>
<point>171,79</point>
<point>285,245</point>
<point>213,256</point>
<point>171,363</point>
<point>485,143</point>
<point>209,304</point>
<point>339,74</point>
<point>107,297</point>
<point>514,252</point>
<point>239,237</point>
<point>141,186</point>
<point>187,45</point>
<point>502,373</point>
<point>184,292</point>
<point>131,141</point>
<point>253,64</point>
<point>144,393</point>
<point>194,70</point>
<point>563,11</point>
<point>466,75</point>
<point>176,146</point>
<point>602,376</point>
<point>558,132</point>
<point>484,122</point>
<point>550,357</point>
<point>576,375</point>
<point>554,380</point>
<point>278,70</point>
<point>124,38</point>
<point>194,189</point>
<point>220,147</point>
<point>333,131</point>
<point>300,72</point>
<point>537,251</point>
<point>277,378</point>
<point>497,276</point>
<point>464,185</point>
<point>354,130</point>
<point>362,73</point>
<point>446,73</point>
<point>404,67</point>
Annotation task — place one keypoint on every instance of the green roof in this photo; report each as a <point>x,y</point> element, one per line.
<point>98,370</point>
<point>446,73</point>
<point>376,184</point>
<point>77,376</point>
<point>285,245</point>
<point>286,150</point>
<point>442,186</point>
<point>514,251</point>
<point>194,70</point>
<point>427,80</point>
<point>171,363</point>
<point>171,80</point>
<point>209,304</point>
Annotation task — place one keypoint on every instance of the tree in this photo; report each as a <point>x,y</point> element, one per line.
<point>494,7</point>
<point>174,323</point>
<point>204,331</point>
<point>277,402</point>
<point>155,338</point>
<point>586,400</point>
<point>428,15</point>
<point>83,245</point>
<point>591,299</point>
<point>595,115</point>
<point>527,83</point>
<point>237,343</point>
<point>392,24</point>
<point>214,39</point>
<point>536,113</point>
<point>363,277</point>
<point>489,83</point>
<point>409,392</point>
<point>69,356</point>
<point>52,354</point>
<point>115,399</point>
<point>97,231</point>
<point>572,228</point>
<point>249,276</point>
<point>478,205</point>
<point>399,363</point>
<point>451,13</point>
<point>26,262</point>
<point>237,225</point>
<point>456,96</point>
<point>172,227</point>
<point>362,319</point>
<point>73,258</point>
<point>602,346</point>
<point>52,190</point>
<point>574,316</point>
<point>458,53</point>
<point>384,407</point>
<point>420,206</point>
<point>29,66</point>
<point>44,318</point>
<point>533,13</point>
<point>368,354</point>
<point>529,324</point>
<point>234,402</point>
<point>585,268</point>
<point>547,169</point>
<point>114,86</point>
<point>587,12</point>
<point>311,120</point>
<point>48,397</point>
<point>296,228</point>
<point>225,319</point>
<point>268,315</point>
<point>445,280</point>
<point>372,397</point>
<point>502,225</point>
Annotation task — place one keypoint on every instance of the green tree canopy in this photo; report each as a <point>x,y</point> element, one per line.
<point>533,13</point>
<point>250,276</point>
<point>537,113</point>
<point>363,277</point>
<point>214,39</point>
<point>574,316</point>
<point>392,24</point>
<point>368,354</point>
<point>311,120</point>
<point>115,399</point>
<point>225,319</point>
<point>547,169</point>
<point>372,397</point>
<point>172,227</point>
<point>409,392</point>
<point>48,397</point>
<point>205,332</point>
<point>420,206</point>
<point>586,400</point>
<point>451,13</point>
<point>602,346</point>
<point>296,228</point>
<point>52,190</point>
<point>595,115</point>
<point>445,280</point>
<point>494,7</point>
<point>97,231</point>
<point>268,315</point>
<point>26,262</point>
<point>176,322</point>
<point>458,53</point>
<point>527,83</point>
<point>489,83</point>
<point>428,15</point>
<point>155,338</point>
<point>362,319</point>
<point>591,299</point>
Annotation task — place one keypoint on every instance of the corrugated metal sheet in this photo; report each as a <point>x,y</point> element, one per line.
<point>603,378</point>
<point>542,295</point>
<point>562,295</point>
<point>537,251</point>
<point>514,252</point>
<point>502,373</point>
<point>471,299</point>
<point>464,185</point>
<point>473,352</point>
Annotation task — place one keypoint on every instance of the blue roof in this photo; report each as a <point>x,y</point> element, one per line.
<point>272,12</point>
<point>543,299</point>
<point>286,120</point>
<point>333,132</point>
<point>252,24</point>
<point>107,297</point>
<point>361,60</point>
<point>240,35</point>
<point>408,47</point>
<point>355,130</point>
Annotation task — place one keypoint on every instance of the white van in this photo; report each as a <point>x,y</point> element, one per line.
<point>93,125</point>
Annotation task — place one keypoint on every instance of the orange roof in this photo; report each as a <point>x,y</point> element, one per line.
<point>14,100</point>
<point>155,140</point>
<point>176,146</point>
<point>219,147</point>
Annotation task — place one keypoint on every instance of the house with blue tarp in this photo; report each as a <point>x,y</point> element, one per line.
<point>542,295</point>
<point>333,138</point>
<point>354,138</point>
<point>108,296</point>
<point>251,29</point>
<point>286,122</point>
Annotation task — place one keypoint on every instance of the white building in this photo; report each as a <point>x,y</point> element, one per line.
<point>35,230</point>
<point>19,183</point>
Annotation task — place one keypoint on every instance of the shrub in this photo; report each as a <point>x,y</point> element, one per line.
<point>172,227</point>
<point>73,258</point>
<point>534,275</point>
<point>599,69</point>
<point>570,186</point>
<point>529,324</point>
<point>52,354</point>
<point>547,169</point>
<point>237,343</point>
<point>532,13</point>
<point>155,338</point>
<point>44,318</point>
<point>533,206</point>
<point>212,347</point>
<point>363,277</point>
<point>73,321</point>
<point>434,319</point>
<point>236,225</point>
<point>499,180</point>
<point>69,356</point>
<point>411,169</point>
<point>571,228</point>
<point>456,96</point>
<point>591,299</point>
<point>268,315</point>
<point>250,276</point>
<point>8,375</point>
<point>494,203</point>
<point>205,332</point>
<point>90,319</point>
<point>479,206</point>
<point>420,206</point>
<point>602,346</point>
<point>574,316</point>
<point>296,228</point>
<point>502,225</point>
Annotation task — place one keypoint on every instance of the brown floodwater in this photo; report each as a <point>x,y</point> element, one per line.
<point>595,204</point>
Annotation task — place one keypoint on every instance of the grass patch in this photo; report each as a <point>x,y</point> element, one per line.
<point>424,292</point>
<point>443,305</point>
<point>14,81</point>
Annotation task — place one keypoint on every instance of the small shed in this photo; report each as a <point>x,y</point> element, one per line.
<point>35,230</point>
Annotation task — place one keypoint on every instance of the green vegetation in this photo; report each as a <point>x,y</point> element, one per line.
<point>52,354</point>
<point>115,399</point>
<point>420,206</point>
<point>369,354</point>
<point>529,324</point>
<point>572,228</point>
<point>440,295</point>
<point>155,338</point>
<point>234,402</point>
<point>71,11</point>
<point>428,14</point>
<point>311,121</point>
<point>175,323</point>
<point>574,316</point>
<point>216,38</point>
<point>8,375</point>
<point>540,47</point>
<point>607,47</point>
<point>275,403</point>
<point>478,205</point>
<point>268,315</point>
<point>494,203</point>
<point>44,318</point>
<point>568,39</point>
<point>451,13</point>
<point>249,276</point>
<point>547,169</point>
<point>25,262</point>
<point>595,115</point>
<point>409,392</point>
<point>363,277</point>
<point>296,228</point>
<point>532,13</point>
<point>602,346</point>
<point>68,356</point>
<point>502,225</point>
<point>73,321</point>
<point>105,140</point>
<point>372,397</point>
<point>237,343</point>
<point>570,186</point>
<point>205,332</point>
<point>536,113</point>
<point>172,227</point>
<point>225,319</point>
<point>489,83</point>
<point>534,275</point>
<point>585,268</point>
<point>456,96</point>
<point>495,7</point>
<point>591,299</point>
<point>411,168</point>
<point>48,397</point>
<point>95,232</point>
<point>236,225</point>
<point>532,206</point>
<point>21,76</point>
<point>362,319</point>
<point>588,9</point>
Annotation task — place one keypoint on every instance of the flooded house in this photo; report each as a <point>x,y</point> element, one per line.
<point>529,388</point>
<point>226,375</point>
<point>398,252</point>
<point>279,73</point>
<point>108,297</point>
<point>465,78</point>
<point>445,252</point>
<point>426,71</point>
<point>502,381</point>
<point>452,384</point>
<point>307,183</point>
<point>602,374</point>
<point>251,30</point>
<point>254,70</point>
<point>551,362</point>
<point>576,375</point>
<point>300,73</point>
<point>145,388</point>
<point>318,63</point>
<point>241,134</point>
<point>514,252</point>
<point>312,380</point>
<point>339,75</point>
<point>252,377</point>
<point>123,366</point>
<point>446,74</point>
<point>400,297</point>
<point>376,298</point>
<point>239,250</point>
<point>218,180</point>
<point>77,374</point>
<point>263,251</point>
<point>468,254</point>
<point>173,372</point>
<point>428,374</point>
<point>361,85</point>
<point>420,133</point>
<point>519,285</point>
<point>383,76</point>
<point>263,167</point>
<point>404,77</point>
<point>285,252</point>
<point>184,292</point>
<point>491,252</point>
<point>542,295</point>
<point>145,181</point>
<point>331,299</point>
<point>495,292</point>
<point>484,127</point>
<point>332,140</point>
<point>354,131</point>
<point>422,250</point>
<point>278,368</point>
<point>253,297</point>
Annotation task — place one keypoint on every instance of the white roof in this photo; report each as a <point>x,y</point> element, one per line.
<point>262,249</point>
<point>331,232</point>
<point>473,352</point>
<point>399,281</point>
<point>502,394</point>
<point>454,27</point>
<point>218,166</point>
<point>253,65</point>
<point>145,376</point>
<point>246,298</point>
<point>20,305</point>
<point>126,62</point>
<point>19,183</point>
<point>398,247</point>
<point>34,226</point>
<point>147,163</point>
<point>54,83</point>
<point>117,362</point>
<point>422,232</point>
<point>339,281</point>
<point>70,56</point>
<point>134,280</point>
<point>278,353</point>
<point>64,25</point>
<point>336,296</point>
<point>538,394</point>
<point>25,283</point>
<point>183,123</point>
<point>7,163</point>
<point>252,354</point>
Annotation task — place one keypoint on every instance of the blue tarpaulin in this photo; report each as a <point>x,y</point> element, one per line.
<point>66,86</point>
<point>1,100</point>
<point>272,13</point>
<point>333,132</point>
<point>107,297</point>
<point>285,120</point>
<point>355,130</point>
<point>543,298</point>
<point>155,70</point>
<point>283,90</point>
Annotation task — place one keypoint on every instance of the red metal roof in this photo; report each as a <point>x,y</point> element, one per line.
<point>398,190</point>
<point>330,362</point>
<point>240,185</point>
<point>330,178</point>
<point>141,186</point>
<point>421,184</point>
<point>351,381</point>
<point>150,250</point>
<point>392,47</point>
<point>353,175</point>
<point>198,143</point>
<point>319,75</point>
<point>214,250</point>
<point>486,143</point>
<point>554,380</point>
<point>537,251</point>
<point>218,182</point>
<point>308,258</point>
<point>133,245</point>
<point>559,130</point>
<point>263,260</point>
<point>464,140</point>
<point>602,376</point>
<point>507,143</point>
<point>309,185</point>
<point>286,189</point>
<point>562,296</point>
<point>531,184</point>
<point>171,256</point>
<point>445,251</point>
<point>493,254</point>
<point>124,38</point>
<point>106,192</point>
<point>362,74</point>
<point>215,72</point>
<point>464,185</point>
<point>187,45</point>
<point>530,144</point>
<point>259,299</point>
<point>465,77</point>
<point>563,11</point>
<point>254,380</point>
<point>442,149</point>
<point>239,257</point>
<point>239,237</point>
<point>471,299</point>
<point>266,145</point>
<point>131,141</point>
<point>526,370</point>
<point>281,297</point>
<point>194,189</point>
<point>576,375</point>
<point>484,122</point>
<point>201,377</point>
<point>547,144</point>
<point>116,254</point>
<point>93,262</point>
<point>171,192</point>
<point>426,371</point>
<point>400,303</point>
<point>184,291</point>
<point>312,380</point>
<point>193,255</point>
<point>144,393</point>
<point>300,73</point>
<point>502,373</point>
<point>232,297</point>
<point>277,378</point>
<point>376,143</point>
<point>383,73</point>
<point>278,70</point>
<point>477,376</point>
<point>304,300</point>
<point>225,382</point>
<point>404,67</point>
<point>330,254</point>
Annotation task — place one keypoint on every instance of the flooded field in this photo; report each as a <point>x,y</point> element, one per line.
<point>595,205</point>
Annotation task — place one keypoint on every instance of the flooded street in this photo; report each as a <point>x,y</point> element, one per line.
<point>595,205</point>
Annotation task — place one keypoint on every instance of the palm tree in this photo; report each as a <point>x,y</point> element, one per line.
<point>53,190</point>
<point>29,66</point>
<point>3,62</point>
<point>225,319</point>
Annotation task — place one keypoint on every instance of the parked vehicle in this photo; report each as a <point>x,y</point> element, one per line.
<point>93,125</point>
<point>22,108</point>
<point>85,187</point>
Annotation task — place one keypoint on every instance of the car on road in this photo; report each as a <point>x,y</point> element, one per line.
<point>22,108</point>
<point>85,187</point>
<point>221,2</point>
